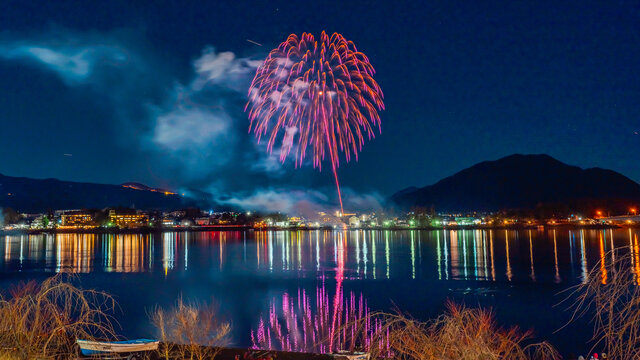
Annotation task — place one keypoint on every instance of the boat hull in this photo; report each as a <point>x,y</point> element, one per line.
<point>88,348</point>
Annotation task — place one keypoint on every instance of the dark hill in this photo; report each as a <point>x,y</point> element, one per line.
<point>524,182</point>
<point>38,195</point>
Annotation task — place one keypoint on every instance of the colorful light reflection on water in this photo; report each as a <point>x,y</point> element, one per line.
<point>320,324</point>
<point>249,272</point>
<point>477,255</point>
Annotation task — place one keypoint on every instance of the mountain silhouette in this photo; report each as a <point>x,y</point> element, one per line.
<point>39,195</point>
<point>524,182</point>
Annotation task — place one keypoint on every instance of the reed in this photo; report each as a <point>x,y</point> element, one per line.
<point>192,330</point>
<point>610,296</point>
<point>44,320</point>
<point>460,333</point>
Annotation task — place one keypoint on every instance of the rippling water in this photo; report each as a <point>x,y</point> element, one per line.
<point>262,280</point>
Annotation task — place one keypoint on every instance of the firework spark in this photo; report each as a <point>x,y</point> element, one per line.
<point>320,92</point>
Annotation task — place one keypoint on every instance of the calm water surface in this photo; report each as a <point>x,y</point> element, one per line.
<point>259,277</point>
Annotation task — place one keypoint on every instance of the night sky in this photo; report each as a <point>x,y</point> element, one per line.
<point>153,92</point>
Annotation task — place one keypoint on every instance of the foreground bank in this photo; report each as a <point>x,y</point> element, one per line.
<point>44,320</point>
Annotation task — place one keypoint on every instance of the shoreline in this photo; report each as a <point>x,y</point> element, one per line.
<point>148,230</point>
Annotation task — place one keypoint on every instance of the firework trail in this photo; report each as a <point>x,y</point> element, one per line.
<point>315,93</point>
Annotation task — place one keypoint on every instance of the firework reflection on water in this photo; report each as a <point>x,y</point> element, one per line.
<point>319,323</point>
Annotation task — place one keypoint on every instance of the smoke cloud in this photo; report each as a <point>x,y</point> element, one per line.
<point>305,202</point>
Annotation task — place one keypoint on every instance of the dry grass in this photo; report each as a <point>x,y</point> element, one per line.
<point>43,320</point>
<point>461,333</point>
<point>611,293</point>
<point>190,331</point>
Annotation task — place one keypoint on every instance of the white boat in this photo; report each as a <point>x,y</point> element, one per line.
<point>348,355</point>
<point>89,348</point>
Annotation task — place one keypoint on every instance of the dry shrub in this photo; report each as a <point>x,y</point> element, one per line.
<point>611,294</point>
<point>44,320</point>
<point>190,330</point>
<point>461,333</point>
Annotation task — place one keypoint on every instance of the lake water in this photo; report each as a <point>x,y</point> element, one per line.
<point>254,275</point>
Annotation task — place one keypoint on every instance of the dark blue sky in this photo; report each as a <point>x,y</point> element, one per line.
<point>123,87</point>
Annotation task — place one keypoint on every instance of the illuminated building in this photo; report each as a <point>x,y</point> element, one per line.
<point>203,221</point>
<point>186,223</point>
<point>295,221</point>
<point>42,222</point>
<point>343,214</point>
<point>260,224</point>
<point>128,220</point>
<point>77,220</point>
<point>466,221</point>
<point>168,222</point>
<point>330,220</point>
<point>177,213</point>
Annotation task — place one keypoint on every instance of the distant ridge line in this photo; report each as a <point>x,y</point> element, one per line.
<point>521,181</point>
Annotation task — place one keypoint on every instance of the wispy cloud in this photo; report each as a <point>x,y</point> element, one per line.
<point>76,60</point>
<point>202,124</point>
<point>223,69</point>
<point>191,132</point>
<point>116,66</point>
